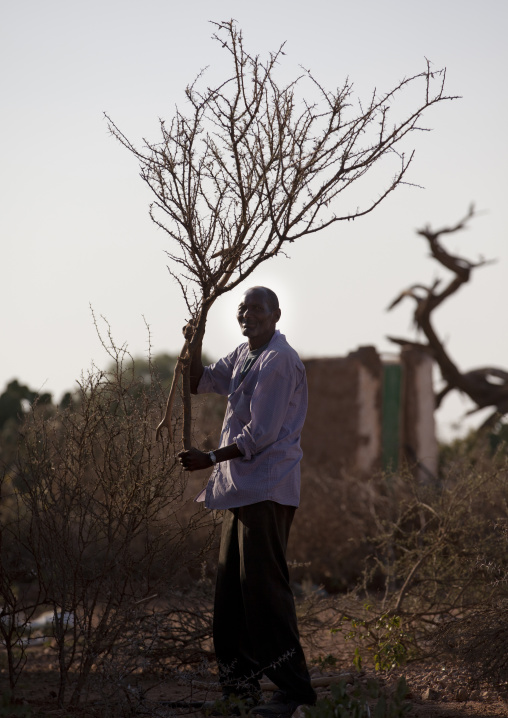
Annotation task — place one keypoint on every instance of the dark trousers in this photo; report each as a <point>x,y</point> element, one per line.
<point>255,629</point>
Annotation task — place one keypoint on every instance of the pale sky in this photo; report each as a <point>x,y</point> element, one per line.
<point>74,224</point>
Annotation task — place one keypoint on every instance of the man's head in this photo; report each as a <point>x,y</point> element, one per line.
<point>257,314</point>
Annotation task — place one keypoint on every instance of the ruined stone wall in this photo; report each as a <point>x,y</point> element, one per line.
<point>342,430</point>
<point>419,446</point>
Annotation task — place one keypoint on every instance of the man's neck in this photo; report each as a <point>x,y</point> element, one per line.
<point>257,342</point>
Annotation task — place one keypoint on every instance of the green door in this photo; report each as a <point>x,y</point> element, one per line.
<point>390,430</point>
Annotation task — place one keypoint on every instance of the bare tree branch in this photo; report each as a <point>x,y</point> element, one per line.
<point>486,386</point>
<point>254,165</point>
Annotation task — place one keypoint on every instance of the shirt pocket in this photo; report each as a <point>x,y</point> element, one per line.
<point>241,408</point>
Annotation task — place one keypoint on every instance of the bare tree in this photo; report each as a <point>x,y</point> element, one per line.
<point>255,165</point>
<point>486,386</point>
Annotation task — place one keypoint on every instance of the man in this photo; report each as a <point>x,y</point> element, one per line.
<point>256,480</point>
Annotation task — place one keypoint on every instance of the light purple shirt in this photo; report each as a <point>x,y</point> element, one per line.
<point>264,418</point>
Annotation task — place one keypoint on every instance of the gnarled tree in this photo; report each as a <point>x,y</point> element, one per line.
<point>486,386</point>
<point>254,165</point>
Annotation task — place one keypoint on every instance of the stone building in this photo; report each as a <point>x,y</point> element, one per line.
<point>367,413</point>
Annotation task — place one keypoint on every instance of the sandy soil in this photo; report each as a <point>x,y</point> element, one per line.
<point>436,691</point>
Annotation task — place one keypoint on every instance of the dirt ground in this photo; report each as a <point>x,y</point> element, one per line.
<point>437,690</point>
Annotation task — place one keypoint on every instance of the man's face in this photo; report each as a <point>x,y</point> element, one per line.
<point>256,318</point>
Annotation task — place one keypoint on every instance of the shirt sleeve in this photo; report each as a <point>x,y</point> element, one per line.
<point>274,390</point>
<point>216,378</point>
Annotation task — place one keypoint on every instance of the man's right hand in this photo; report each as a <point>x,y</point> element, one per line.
<point>194,460</point>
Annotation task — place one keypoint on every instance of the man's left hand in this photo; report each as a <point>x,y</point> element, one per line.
<point>194,460</point>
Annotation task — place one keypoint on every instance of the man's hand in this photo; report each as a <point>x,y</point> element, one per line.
<point>194,460</point>
<point>189,329</point>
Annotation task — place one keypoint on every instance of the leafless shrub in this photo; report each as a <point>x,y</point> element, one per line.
<point>169,638</point>
<point>436,555</point>
<point>479,637</point>
<point>480,640</point>
<point>434,562</point>
<point>97,513</point>
<point>16,610</point>
<point>331,535</point>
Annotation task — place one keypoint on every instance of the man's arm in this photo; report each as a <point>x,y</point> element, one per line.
<point>194,459</point>
<point>218,381</point>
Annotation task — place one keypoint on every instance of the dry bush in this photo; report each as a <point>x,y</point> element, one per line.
<point>442,554</point>
<point>331,535</point>
<point>479,636</point>
<point>169,638</point>
<point>96,523</point>
<point>430,564</point>
<point>17,605</point>
<point>480,640</point>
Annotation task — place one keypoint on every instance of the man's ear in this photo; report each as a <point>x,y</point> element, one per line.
<point>277,314</point>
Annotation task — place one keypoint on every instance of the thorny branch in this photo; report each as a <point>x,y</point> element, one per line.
<point>253,165</point>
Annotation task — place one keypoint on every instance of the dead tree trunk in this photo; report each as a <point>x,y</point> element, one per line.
<point>486,386</point>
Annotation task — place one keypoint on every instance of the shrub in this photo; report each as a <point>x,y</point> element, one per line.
<point>442,557</point>
<point>356,703</point>
<point>96,526</point>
